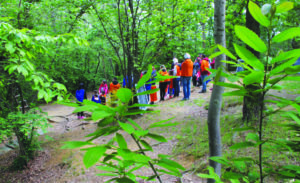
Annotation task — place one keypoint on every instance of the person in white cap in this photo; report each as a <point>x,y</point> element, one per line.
<point>186,74</point>
<point>177,72</point>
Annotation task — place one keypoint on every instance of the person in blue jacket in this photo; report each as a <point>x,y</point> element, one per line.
<point>96,98</point>
<point>80,96</point>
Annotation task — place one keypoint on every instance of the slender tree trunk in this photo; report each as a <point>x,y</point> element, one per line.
<point>214,132</point>
<point>251,105</point>
<point>203,35</point>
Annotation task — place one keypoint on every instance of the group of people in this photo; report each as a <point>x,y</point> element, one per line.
<point>99,96</point>
<point>188,70</point>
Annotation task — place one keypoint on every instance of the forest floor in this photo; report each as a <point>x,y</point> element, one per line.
<point>187,142</point>
<point>53,164</point>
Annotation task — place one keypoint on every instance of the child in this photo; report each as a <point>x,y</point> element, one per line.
<point>113,88</point>
<point>80,96</point>
<point>153,96</point>
<point>95,97</point>
<point>103,98</point>
<point>103,87</point>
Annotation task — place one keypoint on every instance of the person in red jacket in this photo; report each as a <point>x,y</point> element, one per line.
<point>186,74</point>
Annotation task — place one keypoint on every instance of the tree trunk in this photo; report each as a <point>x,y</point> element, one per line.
<point>214,111</point>
<point>251,105</point>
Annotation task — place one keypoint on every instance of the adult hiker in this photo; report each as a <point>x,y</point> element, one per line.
<point>204,73</point>
<point>186,74</point>
<point>177,72</point>
<point>163,84</point>
<point>103,87</point>
<point>80,96</point>
<point>113,88</point>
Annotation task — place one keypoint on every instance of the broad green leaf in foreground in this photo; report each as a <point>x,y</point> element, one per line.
<point>248,57</point>
<point>124,94</point>
<point>250,38</point>
<point>74,144</point>
<point>93,155</point>
<point>257,14</point>
<point>287,34</point>
<point>284,7</point>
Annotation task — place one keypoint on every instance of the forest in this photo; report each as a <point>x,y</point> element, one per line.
<point>244,128</point>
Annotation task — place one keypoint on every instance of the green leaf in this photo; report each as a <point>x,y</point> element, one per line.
<point>124,180</point>
<point>241,145</point>
<point>250,38</point>
<point>145,77</point>
<point>160,122</point>
<point>127,127</point>
<point>124,94</point>
<point>292,69</point>
<point>100,115</point>
<point>229,85</point>
<point>93,155</point>
<point>236,93</point>
<point>232,175</point>
<point>284,7</point>
<point>287,34</point>
<point>286,55</point>
<point>135,124</point>
<point>257,14</point>
<point>147,92</point>
<point>121,141</point>
<point>169,168</point>
<point>254,77</point>
<point>226,52</point>
<point>248,57</point>
<point>281,67</point>
<point>171,163</point>
<point>146,145</point>
<point>252,136</point>
<point>75,144</point>
<point>157,137</point>
<point>10,47</point>
<point>221,160</point>
<point>215,54</point>
<point>107,168</point>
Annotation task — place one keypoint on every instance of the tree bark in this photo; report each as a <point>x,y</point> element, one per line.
<point>214,111</point>
<point>251,104</point>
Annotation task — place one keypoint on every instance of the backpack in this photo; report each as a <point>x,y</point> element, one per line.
<point>80,95</point>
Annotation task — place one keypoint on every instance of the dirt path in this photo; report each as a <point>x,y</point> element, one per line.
<point>56,165</point>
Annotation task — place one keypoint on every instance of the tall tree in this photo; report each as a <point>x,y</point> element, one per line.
<point>251,105</point>
<point>214,132</point>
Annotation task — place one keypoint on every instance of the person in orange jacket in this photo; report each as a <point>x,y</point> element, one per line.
<point>163,84</point>
<point>186,74</point>
<point>113,88</point>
